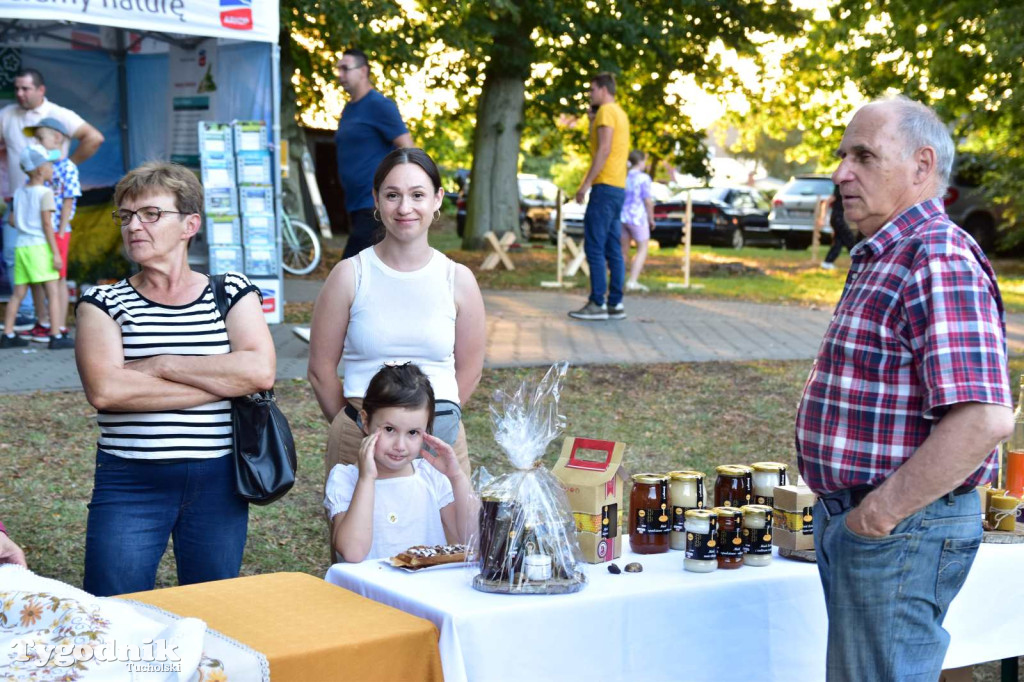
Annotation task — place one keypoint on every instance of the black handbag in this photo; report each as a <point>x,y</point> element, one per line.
<point>264,450</point>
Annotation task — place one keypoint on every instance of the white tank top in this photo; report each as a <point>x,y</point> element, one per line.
<point>402,317</point>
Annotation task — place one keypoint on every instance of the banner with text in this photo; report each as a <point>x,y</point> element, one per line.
<point>238,19</point>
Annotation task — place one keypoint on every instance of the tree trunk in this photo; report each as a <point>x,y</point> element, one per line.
<point>493,202</point>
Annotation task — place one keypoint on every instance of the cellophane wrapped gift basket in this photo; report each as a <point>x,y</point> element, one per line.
<point>527,539</point>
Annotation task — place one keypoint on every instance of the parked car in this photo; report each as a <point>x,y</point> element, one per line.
<point>792,215</point>
<point>573,212</point>
<point>538,199</point>
<point>967,204</point>
<point>722,216</point>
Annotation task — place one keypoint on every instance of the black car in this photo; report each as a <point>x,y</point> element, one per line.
<point>538,199</point>
<point>722,216</point>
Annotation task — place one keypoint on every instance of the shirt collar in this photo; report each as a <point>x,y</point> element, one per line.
<point>899,228</point>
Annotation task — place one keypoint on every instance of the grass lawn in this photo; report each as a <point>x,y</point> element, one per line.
<point>670,416</point>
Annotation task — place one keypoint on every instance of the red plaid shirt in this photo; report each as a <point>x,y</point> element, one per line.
<point>919,328</point>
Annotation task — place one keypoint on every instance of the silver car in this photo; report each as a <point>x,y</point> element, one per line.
<point>969,207</point>
<point>792,217</point>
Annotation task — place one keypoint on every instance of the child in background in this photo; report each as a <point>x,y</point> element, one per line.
<point>36,258</point>
<point>400,495</point>
<point>66,187</point>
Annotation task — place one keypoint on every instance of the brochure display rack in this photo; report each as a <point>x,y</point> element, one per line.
<point>241,221</point>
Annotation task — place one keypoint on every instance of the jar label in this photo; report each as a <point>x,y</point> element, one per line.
<point>808,528</point>
<point>730,543</point>
<point>609,520</point>
<point>702,546</point>
<point>763,499</point>
<point>679,519</point>
<point>652,521</point>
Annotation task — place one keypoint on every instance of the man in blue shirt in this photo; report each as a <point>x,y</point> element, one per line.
<point>370,127</point>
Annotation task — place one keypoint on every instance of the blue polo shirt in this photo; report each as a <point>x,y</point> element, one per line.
<point>364,137</point>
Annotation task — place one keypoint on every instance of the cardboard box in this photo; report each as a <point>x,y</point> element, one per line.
<point>591,473</point>
<point>794,498</point>
<point>785,539</point>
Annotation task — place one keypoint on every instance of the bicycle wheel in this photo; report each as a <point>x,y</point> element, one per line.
<point>300,247</point>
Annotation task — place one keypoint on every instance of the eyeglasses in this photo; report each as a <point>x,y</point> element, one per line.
<point>146,214</point>
<point>346,69</point>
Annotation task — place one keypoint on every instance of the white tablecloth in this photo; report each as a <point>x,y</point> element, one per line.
<point>746,625</point>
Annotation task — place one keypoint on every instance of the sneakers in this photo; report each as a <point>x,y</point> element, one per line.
<point>38,333</point>
<point>24,323</point>
<point>591,311</point>
<point>636,286</point>
<point>828,266</point>
<point>12,341</point>
<point>61,342</point>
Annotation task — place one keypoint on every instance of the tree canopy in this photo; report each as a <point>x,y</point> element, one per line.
<point>524,65</point>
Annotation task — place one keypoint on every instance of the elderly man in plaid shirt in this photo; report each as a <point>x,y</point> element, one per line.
<point>905,405</point>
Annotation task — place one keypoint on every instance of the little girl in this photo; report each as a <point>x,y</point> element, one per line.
<point>400,495</point>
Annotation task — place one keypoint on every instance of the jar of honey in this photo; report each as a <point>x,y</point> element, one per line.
<point>649,522</point>
<point>765,476</point>
<point>757,534</point>
<point>733,485</point>
<point>701,541</point>
<point>685,492</point>
<point>730,537</point>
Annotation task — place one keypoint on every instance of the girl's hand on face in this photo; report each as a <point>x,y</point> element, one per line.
<point>367,464</point>
<point>445,460</point>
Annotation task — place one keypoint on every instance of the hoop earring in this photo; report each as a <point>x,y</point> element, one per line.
<point>376,215</point>
<point>437,215</point>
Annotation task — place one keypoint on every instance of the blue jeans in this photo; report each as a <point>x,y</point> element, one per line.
<point>10,237</point>
<point>887,597</point>
<point>138,504</point>
<point>602,242</point>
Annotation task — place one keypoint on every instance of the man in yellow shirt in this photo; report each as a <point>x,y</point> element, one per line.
<point>606,180</point>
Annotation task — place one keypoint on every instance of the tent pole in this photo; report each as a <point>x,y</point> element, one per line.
<point>275,117</point>
<point>122,105</point>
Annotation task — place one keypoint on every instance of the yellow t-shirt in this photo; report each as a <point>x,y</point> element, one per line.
<point>615,168</point>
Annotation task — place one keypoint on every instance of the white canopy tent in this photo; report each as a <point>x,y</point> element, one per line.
<point>112,62</point>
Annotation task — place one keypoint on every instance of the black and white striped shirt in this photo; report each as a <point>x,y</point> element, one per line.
<point>148,329</point>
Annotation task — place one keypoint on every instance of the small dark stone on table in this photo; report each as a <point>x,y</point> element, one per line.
<point>612,568</point>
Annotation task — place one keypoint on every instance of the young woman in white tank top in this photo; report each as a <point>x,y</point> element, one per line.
<point>398,301</point>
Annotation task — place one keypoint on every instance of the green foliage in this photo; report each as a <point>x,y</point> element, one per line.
<point>555,46</point>
<point>964,58</point>
<point>96,247</point>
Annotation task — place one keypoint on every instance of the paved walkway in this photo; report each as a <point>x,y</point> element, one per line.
<point>528,328</point>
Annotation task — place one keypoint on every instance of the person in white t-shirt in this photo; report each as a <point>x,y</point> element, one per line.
<point>400,494</point>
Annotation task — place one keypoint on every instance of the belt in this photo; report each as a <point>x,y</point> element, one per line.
<point>845,500</point>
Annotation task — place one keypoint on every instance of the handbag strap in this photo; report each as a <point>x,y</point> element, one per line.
<point>220,299</point>
<point>220,295</point>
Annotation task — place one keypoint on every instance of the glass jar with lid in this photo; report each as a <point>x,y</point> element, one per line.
<point>701,541</point>
<point>757,534</point>
<point>649,522</point>
<point>685,492</point>
<point>733,485</point>
<point>765,476</point>
<point>730,537</point>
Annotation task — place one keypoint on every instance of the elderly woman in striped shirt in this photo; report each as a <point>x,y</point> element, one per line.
<point>160,364</point>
